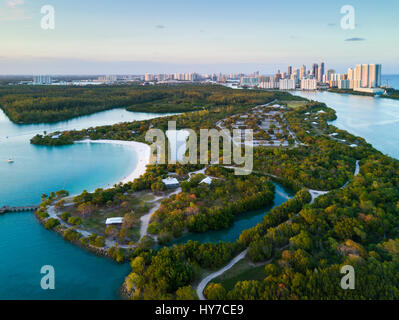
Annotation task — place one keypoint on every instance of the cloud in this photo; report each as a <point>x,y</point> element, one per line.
<point>355,39</point>
<point>13,10</point>
<point>14,3</point>
<point>160,26</point>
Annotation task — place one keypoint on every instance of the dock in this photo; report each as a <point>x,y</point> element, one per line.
<point>6,209</point>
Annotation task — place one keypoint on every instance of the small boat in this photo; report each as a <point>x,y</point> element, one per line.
<point>10,161</point>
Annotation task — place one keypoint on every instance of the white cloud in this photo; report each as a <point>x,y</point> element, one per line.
<point>15,3</point>
<point>13,10</point>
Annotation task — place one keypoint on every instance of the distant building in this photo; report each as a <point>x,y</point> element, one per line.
<point>321,72</point>
<point>344,84</point>
<point>42,80</point>
<point>270,84</point>
<point>287,84</point>
<point>309,84</point>
<point>365,76</point>
<point>302,72</point>
<point>108,78</point>
<point>249,81</point>
<point>148,77</point>
<point>315,70</point>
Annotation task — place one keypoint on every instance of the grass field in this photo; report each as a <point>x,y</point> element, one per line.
<point>294,104</point>
<point>243,270</point>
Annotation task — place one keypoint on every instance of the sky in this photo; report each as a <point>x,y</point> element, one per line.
<point>158,36</point>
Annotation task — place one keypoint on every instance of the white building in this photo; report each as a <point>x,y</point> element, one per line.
<point>171,183</point>
<point>116,220</point>
<point>287,84</point>
<point>42,80</point>
<point>269,85</point>
<point>366,76</point>
<point>308,84</point>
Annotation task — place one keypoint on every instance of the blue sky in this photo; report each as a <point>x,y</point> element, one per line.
<point>128,36</point>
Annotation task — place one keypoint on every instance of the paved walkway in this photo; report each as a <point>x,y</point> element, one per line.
<point>215,274</point>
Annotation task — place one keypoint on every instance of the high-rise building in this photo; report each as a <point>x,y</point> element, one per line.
<point>321,72</point>
<point>42,80</point>
<point>287,84</point>
<point>357,76</point>
<point>374,80</point>
<point>309,84</point>
<point>148,77</point>
<point>302,72</point>
<point>249,81</point>
<point>289,70</point>
<point>365,76</point>
<point>350,74</point>
<point>315,70</point>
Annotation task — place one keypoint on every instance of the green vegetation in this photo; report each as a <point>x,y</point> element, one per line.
<point>301,245</point>
<point>392,94</point>
<point>243,270</point>
<point>200,207</point>
<point>351,91</point>
<point>37,104</point>
<point>223,103</point>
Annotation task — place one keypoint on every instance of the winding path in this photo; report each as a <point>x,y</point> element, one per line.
<point>202,285</point>
<point>215,274</point>
<point>317,193</point>
<point>145,220</point>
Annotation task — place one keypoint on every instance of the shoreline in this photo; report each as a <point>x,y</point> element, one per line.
<point>142,150</point>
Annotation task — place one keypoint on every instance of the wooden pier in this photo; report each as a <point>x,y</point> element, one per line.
<point>5,209</point>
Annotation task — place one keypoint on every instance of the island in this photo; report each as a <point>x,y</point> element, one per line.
<point>344,211</point>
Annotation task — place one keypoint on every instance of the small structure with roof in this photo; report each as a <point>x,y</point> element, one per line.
<point>171,183</point>
<point>115,220</point>
<point>207,180</point>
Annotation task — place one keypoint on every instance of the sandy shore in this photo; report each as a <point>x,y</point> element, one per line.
<point>143,154</point>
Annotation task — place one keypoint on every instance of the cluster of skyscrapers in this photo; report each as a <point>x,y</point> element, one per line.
<point>365,77</point>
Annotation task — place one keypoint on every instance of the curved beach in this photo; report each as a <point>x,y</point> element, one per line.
<point>143,155</point>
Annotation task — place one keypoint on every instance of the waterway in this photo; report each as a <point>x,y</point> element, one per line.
<point>25,246</point>
<point>374,119</point>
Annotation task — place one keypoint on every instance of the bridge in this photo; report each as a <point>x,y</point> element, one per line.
<point>5,209</point>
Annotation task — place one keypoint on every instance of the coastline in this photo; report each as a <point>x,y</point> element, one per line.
<point>142,150</point>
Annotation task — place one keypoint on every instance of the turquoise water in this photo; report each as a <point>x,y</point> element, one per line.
<point>375,119</point>
<point>243,222</point>
<point>25,246</point>
<point>39,169</point>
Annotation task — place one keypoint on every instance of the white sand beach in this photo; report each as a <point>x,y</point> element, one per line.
<point>143,154</point>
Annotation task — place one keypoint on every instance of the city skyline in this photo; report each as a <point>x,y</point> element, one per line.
<point>127,37</point>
